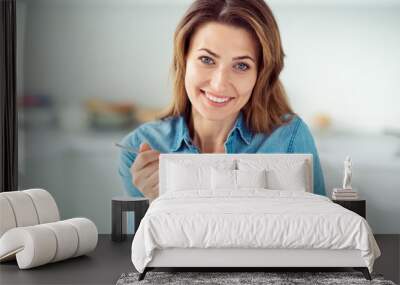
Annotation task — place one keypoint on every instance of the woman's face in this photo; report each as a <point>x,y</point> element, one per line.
<point>221,70</point>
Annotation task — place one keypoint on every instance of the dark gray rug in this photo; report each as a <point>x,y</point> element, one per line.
<point>229,278</point>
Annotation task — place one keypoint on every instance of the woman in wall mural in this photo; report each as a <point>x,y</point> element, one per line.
<point>227,96</point>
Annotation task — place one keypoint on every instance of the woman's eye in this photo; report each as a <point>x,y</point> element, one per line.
<point>206,60</point>
<point>242,66</point>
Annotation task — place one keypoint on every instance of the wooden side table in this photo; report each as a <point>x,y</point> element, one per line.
<point>122,204</point>
<point>357,206</point>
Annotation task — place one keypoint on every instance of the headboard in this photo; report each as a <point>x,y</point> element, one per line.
<point>269,158</point>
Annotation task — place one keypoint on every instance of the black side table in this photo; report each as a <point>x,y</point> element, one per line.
<point>122,204</point>
<point>357,206</point>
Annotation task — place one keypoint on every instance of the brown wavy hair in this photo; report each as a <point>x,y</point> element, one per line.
<point>268,103</point>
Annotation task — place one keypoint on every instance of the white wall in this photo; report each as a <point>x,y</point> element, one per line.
<point>100,48</point>
<point>344,61</point>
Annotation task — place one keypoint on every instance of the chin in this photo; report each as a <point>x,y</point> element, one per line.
<point>214,115</point>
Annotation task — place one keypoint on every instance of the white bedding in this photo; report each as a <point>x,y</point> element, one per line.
<point>250,218</point>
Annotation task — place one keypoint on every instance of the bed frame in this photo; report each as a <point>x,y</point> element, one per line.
<point>248,259</point>
<point>236,259</point>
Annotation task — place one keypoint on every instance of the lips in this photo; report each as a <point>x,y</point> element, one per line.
<point>214,103</point>
<point>215,95</point>
<point>215,100</point>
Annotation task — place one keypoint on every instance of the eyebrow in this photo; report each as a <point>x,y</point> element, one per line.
<point>234,58</point>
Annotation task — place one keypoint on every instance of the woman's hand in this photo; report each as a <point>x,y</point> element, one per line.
<point>145,171</point>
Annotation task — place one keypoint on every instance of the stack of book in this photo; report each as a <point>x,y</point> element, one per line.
<point>344,194</point>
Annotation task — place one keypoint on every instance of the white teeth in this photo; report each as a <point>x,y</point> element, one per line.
<point>216,99</point>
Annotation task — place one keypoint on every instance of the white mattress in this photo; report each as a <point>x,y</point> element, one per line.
<point>252,218</point>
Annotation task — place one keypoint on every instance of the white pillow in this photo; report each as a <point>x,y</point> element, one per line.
<point>182,178</point>
<point>282,174</point>
<point>228,179</point>
<point>294,178</point>
<point>251,178</point>
<point>185,175</point>
<point>223,179</point>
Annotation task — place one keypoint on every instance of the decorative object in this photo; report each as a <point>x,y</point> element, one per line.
<point>347,173</point>
<point>346,192</point>
<point>31,231</point>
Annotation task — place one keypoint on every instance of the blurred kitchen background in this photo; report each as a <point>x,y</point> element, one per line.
<point>91,71</point>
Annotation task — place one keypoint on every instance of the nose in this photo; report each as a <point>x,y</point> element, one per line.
<point>220,80</point>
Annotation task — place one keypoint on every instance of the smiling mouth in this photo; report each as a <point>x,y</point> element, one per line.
<point>215,99</point>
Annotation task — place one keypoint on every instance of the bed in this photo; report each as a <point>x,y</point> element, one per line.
<point>244,211</point>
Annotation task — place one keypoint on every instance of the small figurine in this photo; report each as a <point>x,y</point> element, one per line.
<point>347,173</point>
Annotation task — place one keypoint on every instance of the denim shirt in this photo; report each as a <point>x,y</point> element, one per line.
<point>171,135</point>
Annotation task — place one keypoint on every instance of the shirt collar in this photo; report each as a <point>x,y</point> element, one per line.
<point>182,132</point>
<point>244,132</point>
